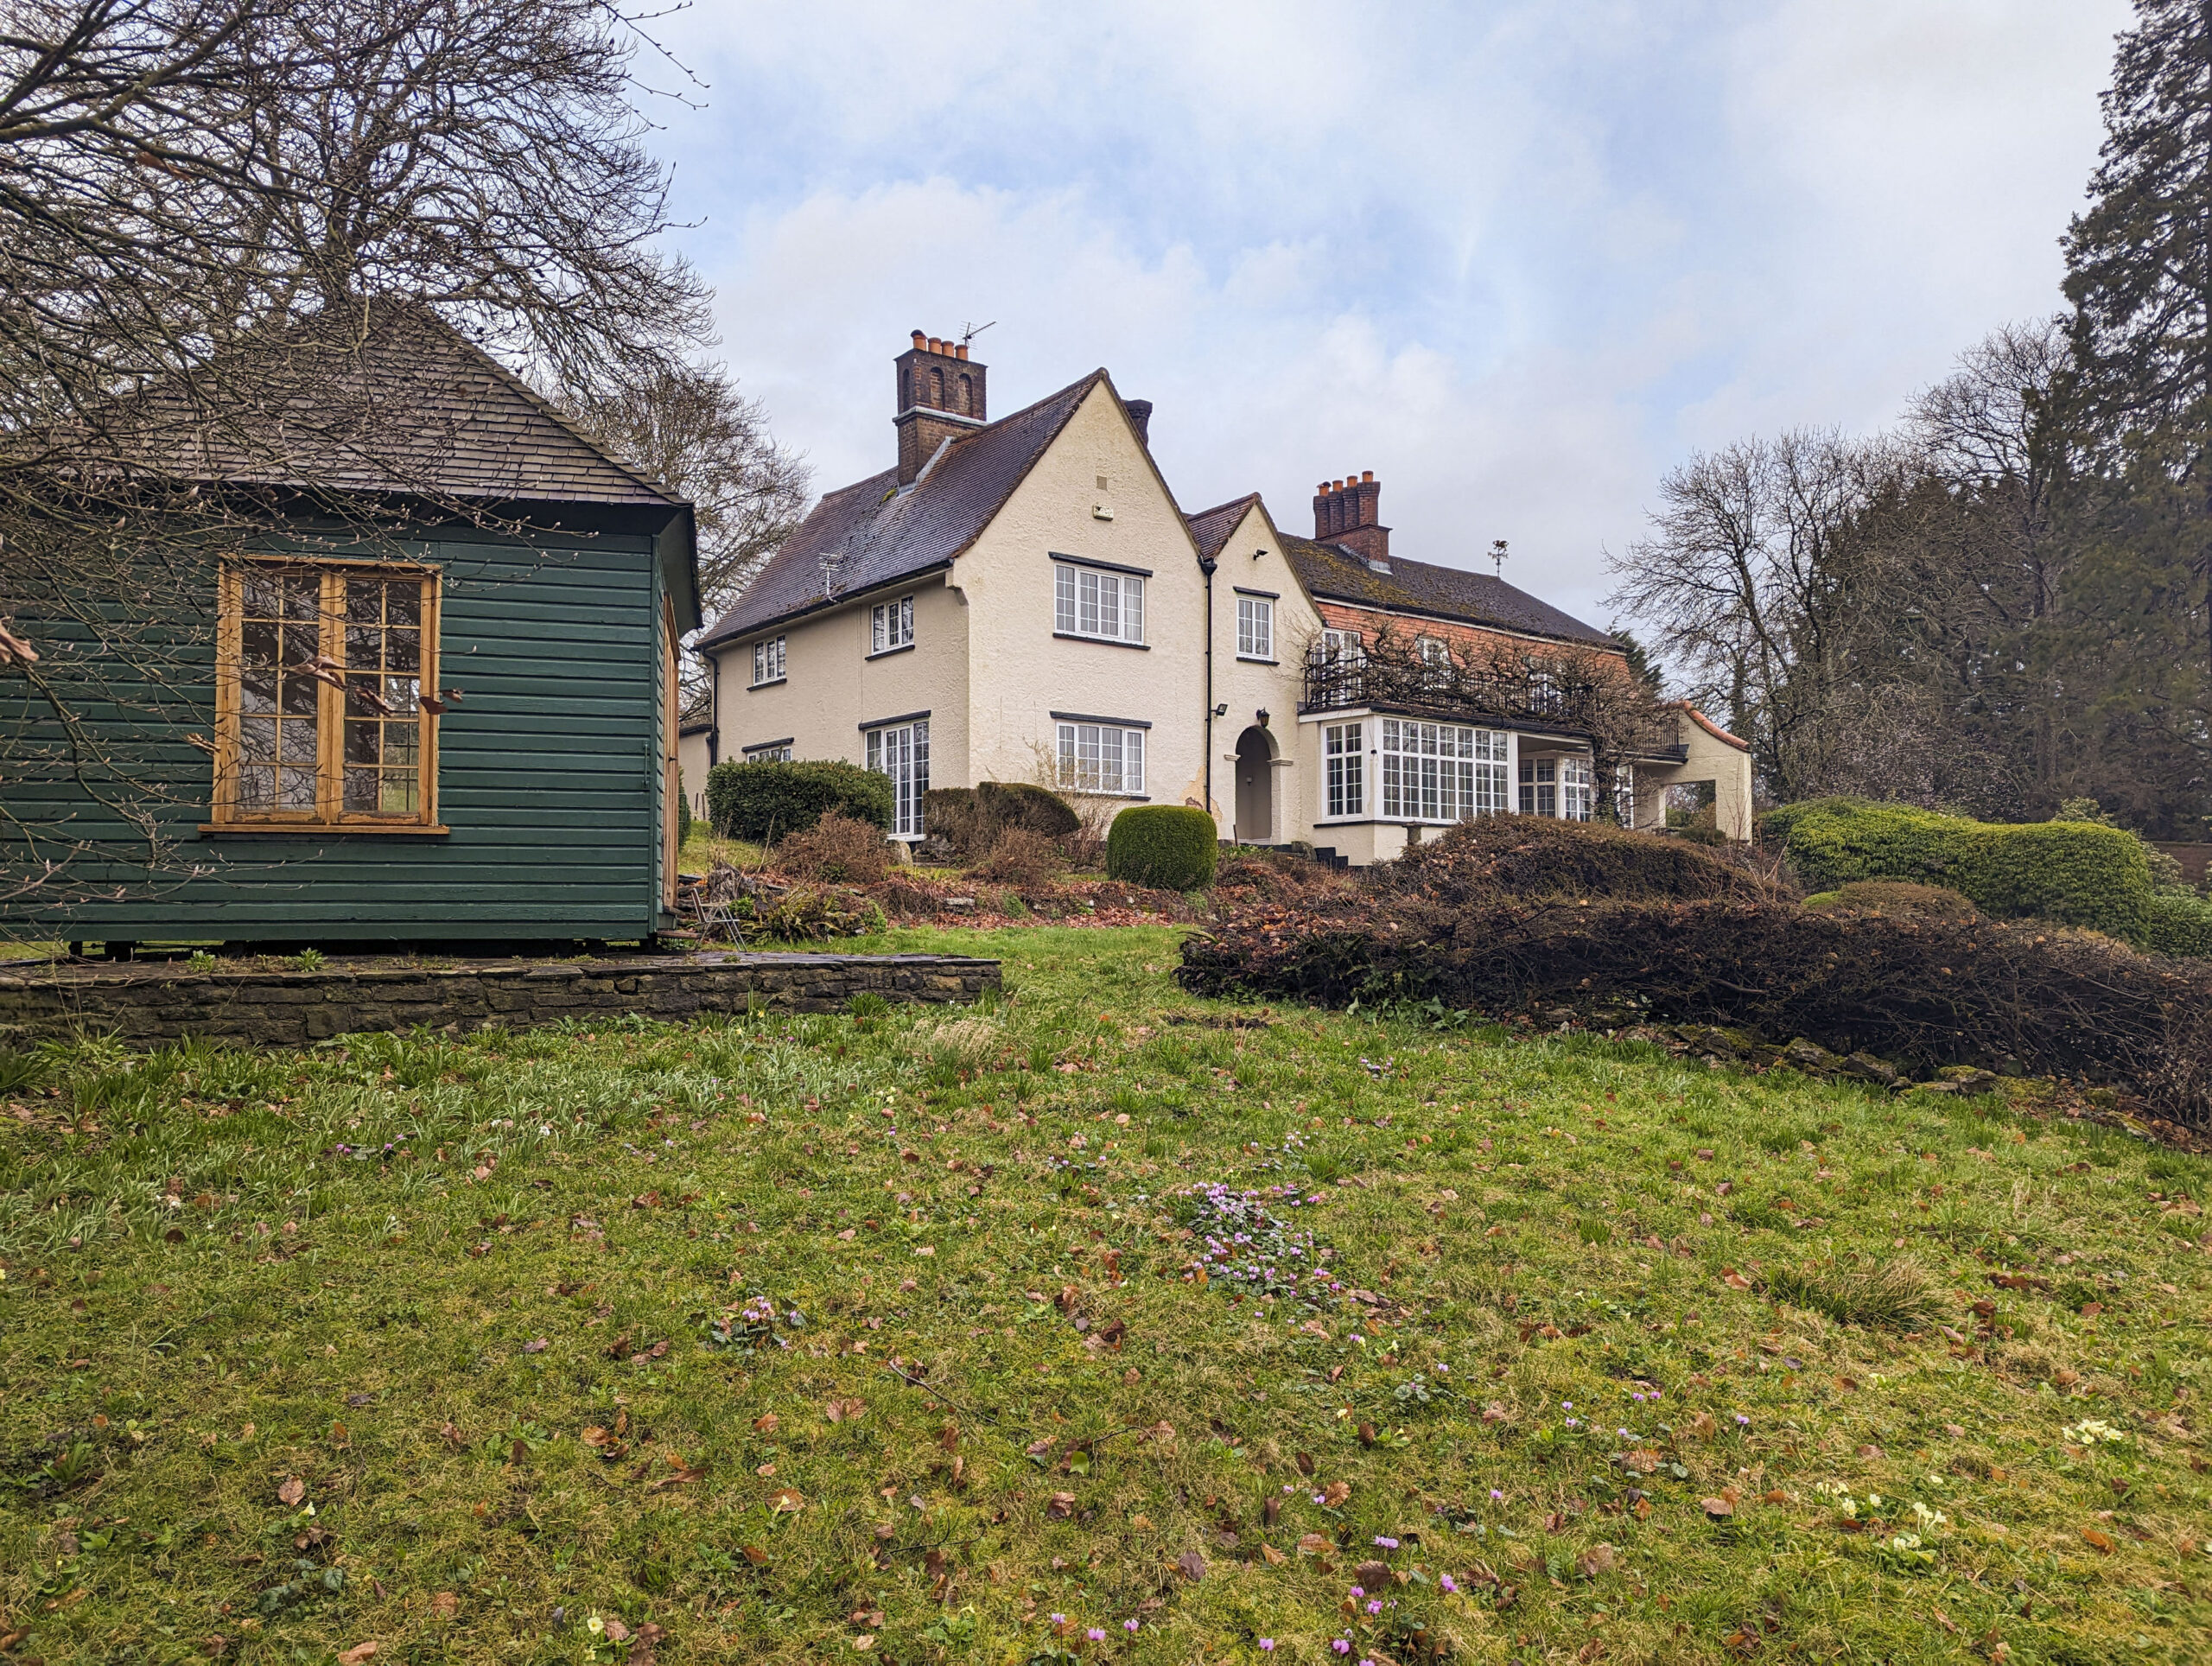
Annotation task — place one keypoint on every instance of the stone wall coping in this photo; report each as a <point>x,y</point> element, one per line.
<point>127,973</point>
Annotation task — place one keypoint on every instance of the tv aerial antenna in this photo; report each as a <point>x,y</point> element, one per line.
<point>969,332</point>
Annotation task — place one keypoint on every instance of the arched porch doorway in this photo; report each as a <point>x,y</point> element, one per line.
<point>1255,787</point>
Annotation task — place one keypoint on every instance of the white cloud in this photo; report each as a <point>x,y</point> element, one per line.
<point>1516,258</point>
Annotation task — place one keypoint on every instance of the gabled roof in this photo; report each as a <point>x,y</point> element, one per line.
<point>1212,527</point>
<point>880,534</point>
<point>395,400</point>
<point>1417,586</point>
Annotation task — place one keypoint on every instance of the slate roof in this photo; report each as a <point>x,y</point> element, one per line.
<point>1211,527</point>
<point>395,401</point>
<point>881,534</point>
<point>1330,570</point>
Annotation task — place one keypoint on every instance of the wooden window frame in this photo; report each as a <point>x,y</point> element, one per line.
<point>329,814</point>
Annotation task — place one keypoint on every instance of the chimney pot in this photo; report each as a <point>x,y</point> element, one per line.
<point>1365,475</point>
<point>919,339</point>
<point>931,344</point>
<point>960,350</point>
<point>1336,486</point>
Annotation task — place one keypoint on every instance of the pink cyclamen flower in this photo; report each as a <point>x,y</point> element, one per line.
<point>1374,1607</point>
<point>1057,1619</point>
<point>1268,1645</point>
<point>1358,1592</point>
<point>1447,1582</point>
<point>1743,1419</point>
<point>1387,1543</point>
<point>1340,1645</point>
<point>1495,1493</point>
<point>1097,1634</point>
<point>1128,1626</point>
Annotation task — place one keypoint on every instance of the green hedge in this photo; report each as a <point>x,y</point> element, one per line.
<point>1168,846</point>
<point>682,809</point>
<point>2076,872</point>
<point>766,801</point>
<point>2179,924</point>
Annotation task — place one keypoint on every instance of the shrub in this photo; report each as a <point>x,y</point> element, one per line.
<point>2178,923</point>
<point>972,819</point>
<point>770,801</point>
<point>1929,992</point>
<point>682,810</point>
<point>805,916</point>
<point>1020,804</point>
<point>1537,857</point>
<point>2078,872</point>
<point>1019,855</point>
<point>1168,846</point>
<point>837,849</point>
<point>1901,898</point>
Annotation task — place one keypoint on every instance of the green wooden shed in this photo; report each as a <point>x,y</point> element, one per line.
<point>429,699</point>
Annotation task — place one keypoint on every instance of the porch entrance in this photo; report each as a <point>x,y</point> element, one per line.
<point>1255,787</point>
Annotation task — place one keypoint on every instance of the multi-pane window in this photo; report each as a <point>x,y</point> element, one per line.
<point>1435,660</point>
<point>1255,628</point>
<point>1539,786</point>
<point>1574,789</point>
<point>1344,765</point>
<point>891,625</point>
<point>1344,646</point>
<point>778,754</point>
<point>768,661</point>
<point>1440,772</point>
<point>1088,603</point>
<point>1101,758</point>
<point>324,707</point>
<point>902,752</point>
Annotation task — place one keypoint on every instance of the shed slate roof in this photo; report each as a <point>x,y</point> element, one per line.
<point>1332,571</point>
<point>395,401</point>
<point>883,534</point>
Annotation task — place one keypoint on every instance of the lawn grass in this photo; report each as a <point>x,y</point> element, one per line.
<point>430,1281</point>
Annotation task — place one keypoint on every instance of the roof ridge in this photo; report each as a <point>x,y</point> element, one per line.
<point>1247,500</point>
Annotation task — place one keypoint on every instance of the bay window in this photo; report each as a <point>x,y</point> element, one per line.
<point>1440,772</point>
<point>1345,770</point>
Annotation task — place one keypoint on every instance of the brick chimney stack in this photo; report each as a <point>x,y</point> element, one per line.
<point>940,396</point>
<point>1346,512</point>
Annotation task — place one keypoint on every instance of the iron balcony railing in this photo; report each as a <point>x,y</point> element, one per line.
<point>1387,678</point>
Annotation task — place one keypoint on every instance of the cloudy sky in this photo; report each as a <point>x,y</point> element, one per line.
<point>1518,257</point>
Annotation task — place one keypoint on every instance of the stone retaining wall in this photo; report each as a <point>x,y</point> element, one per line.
<point>147,1004</point>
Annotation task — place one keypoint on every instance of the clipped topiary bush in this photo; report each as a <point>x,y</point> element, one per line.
<point>2075,873</point>
<point>1168,846</point>
<point>770,801</point>
<point>2178,923</point>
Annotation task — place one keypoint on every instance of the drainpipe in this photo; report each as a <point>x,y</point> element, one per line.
<point>1206,565</point>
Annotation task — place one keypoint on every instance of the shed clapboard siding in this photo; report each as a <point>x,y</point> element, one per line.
<point>550,773</point>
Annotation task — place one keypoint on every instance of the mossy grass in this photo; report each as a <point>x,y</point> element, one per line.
<point>428,1279</point>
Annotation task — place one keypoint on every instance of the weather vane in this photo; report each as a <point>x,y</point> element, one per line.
<point>1497,557</point>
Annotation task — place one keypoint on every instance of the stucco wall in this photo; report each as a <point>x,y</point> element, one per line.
<point>691,759</point>
<point>1726,764</point>
<point>831,686</point>
<point>1020,673</point>
<point>1251,559</point>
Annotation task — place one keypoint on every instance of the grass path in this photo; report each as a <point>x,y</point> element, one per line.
<point>577,1346</point>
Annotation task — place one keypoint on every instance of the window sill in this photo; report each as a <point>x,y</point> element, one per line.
<point>773,682</point>
<point>1102,641</point>
<point>1255,659</point>
<point>319,829</point>
<point>1092,792</point>
<point>886,653</point>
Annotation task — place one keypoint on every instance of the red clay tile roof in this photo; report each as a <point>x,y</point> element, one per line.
<point>1212,527</point>
<point>1417,586</point>
<point>1709,726</point>
<point>880,534</point>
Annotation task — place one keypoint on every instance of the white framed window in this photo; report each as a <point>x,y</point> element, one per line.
<point>891,625</point>
<point>1440,772</point>
<point>1545,693</point>
<point>1101,758</point>
<point>1539,786</point>
<point>1435,659</point>
<point>768,661</point>
<point>773,752</point>
<point>902,752</point>
<point>1344,647</point>
<point>1255,628</point>
<point>1109,606</point>
<point>1345,773</point>
<point>1574,789</point>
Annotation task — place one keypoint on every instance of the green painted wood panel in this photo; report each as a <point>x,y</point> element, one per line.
<point>549,773</point>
